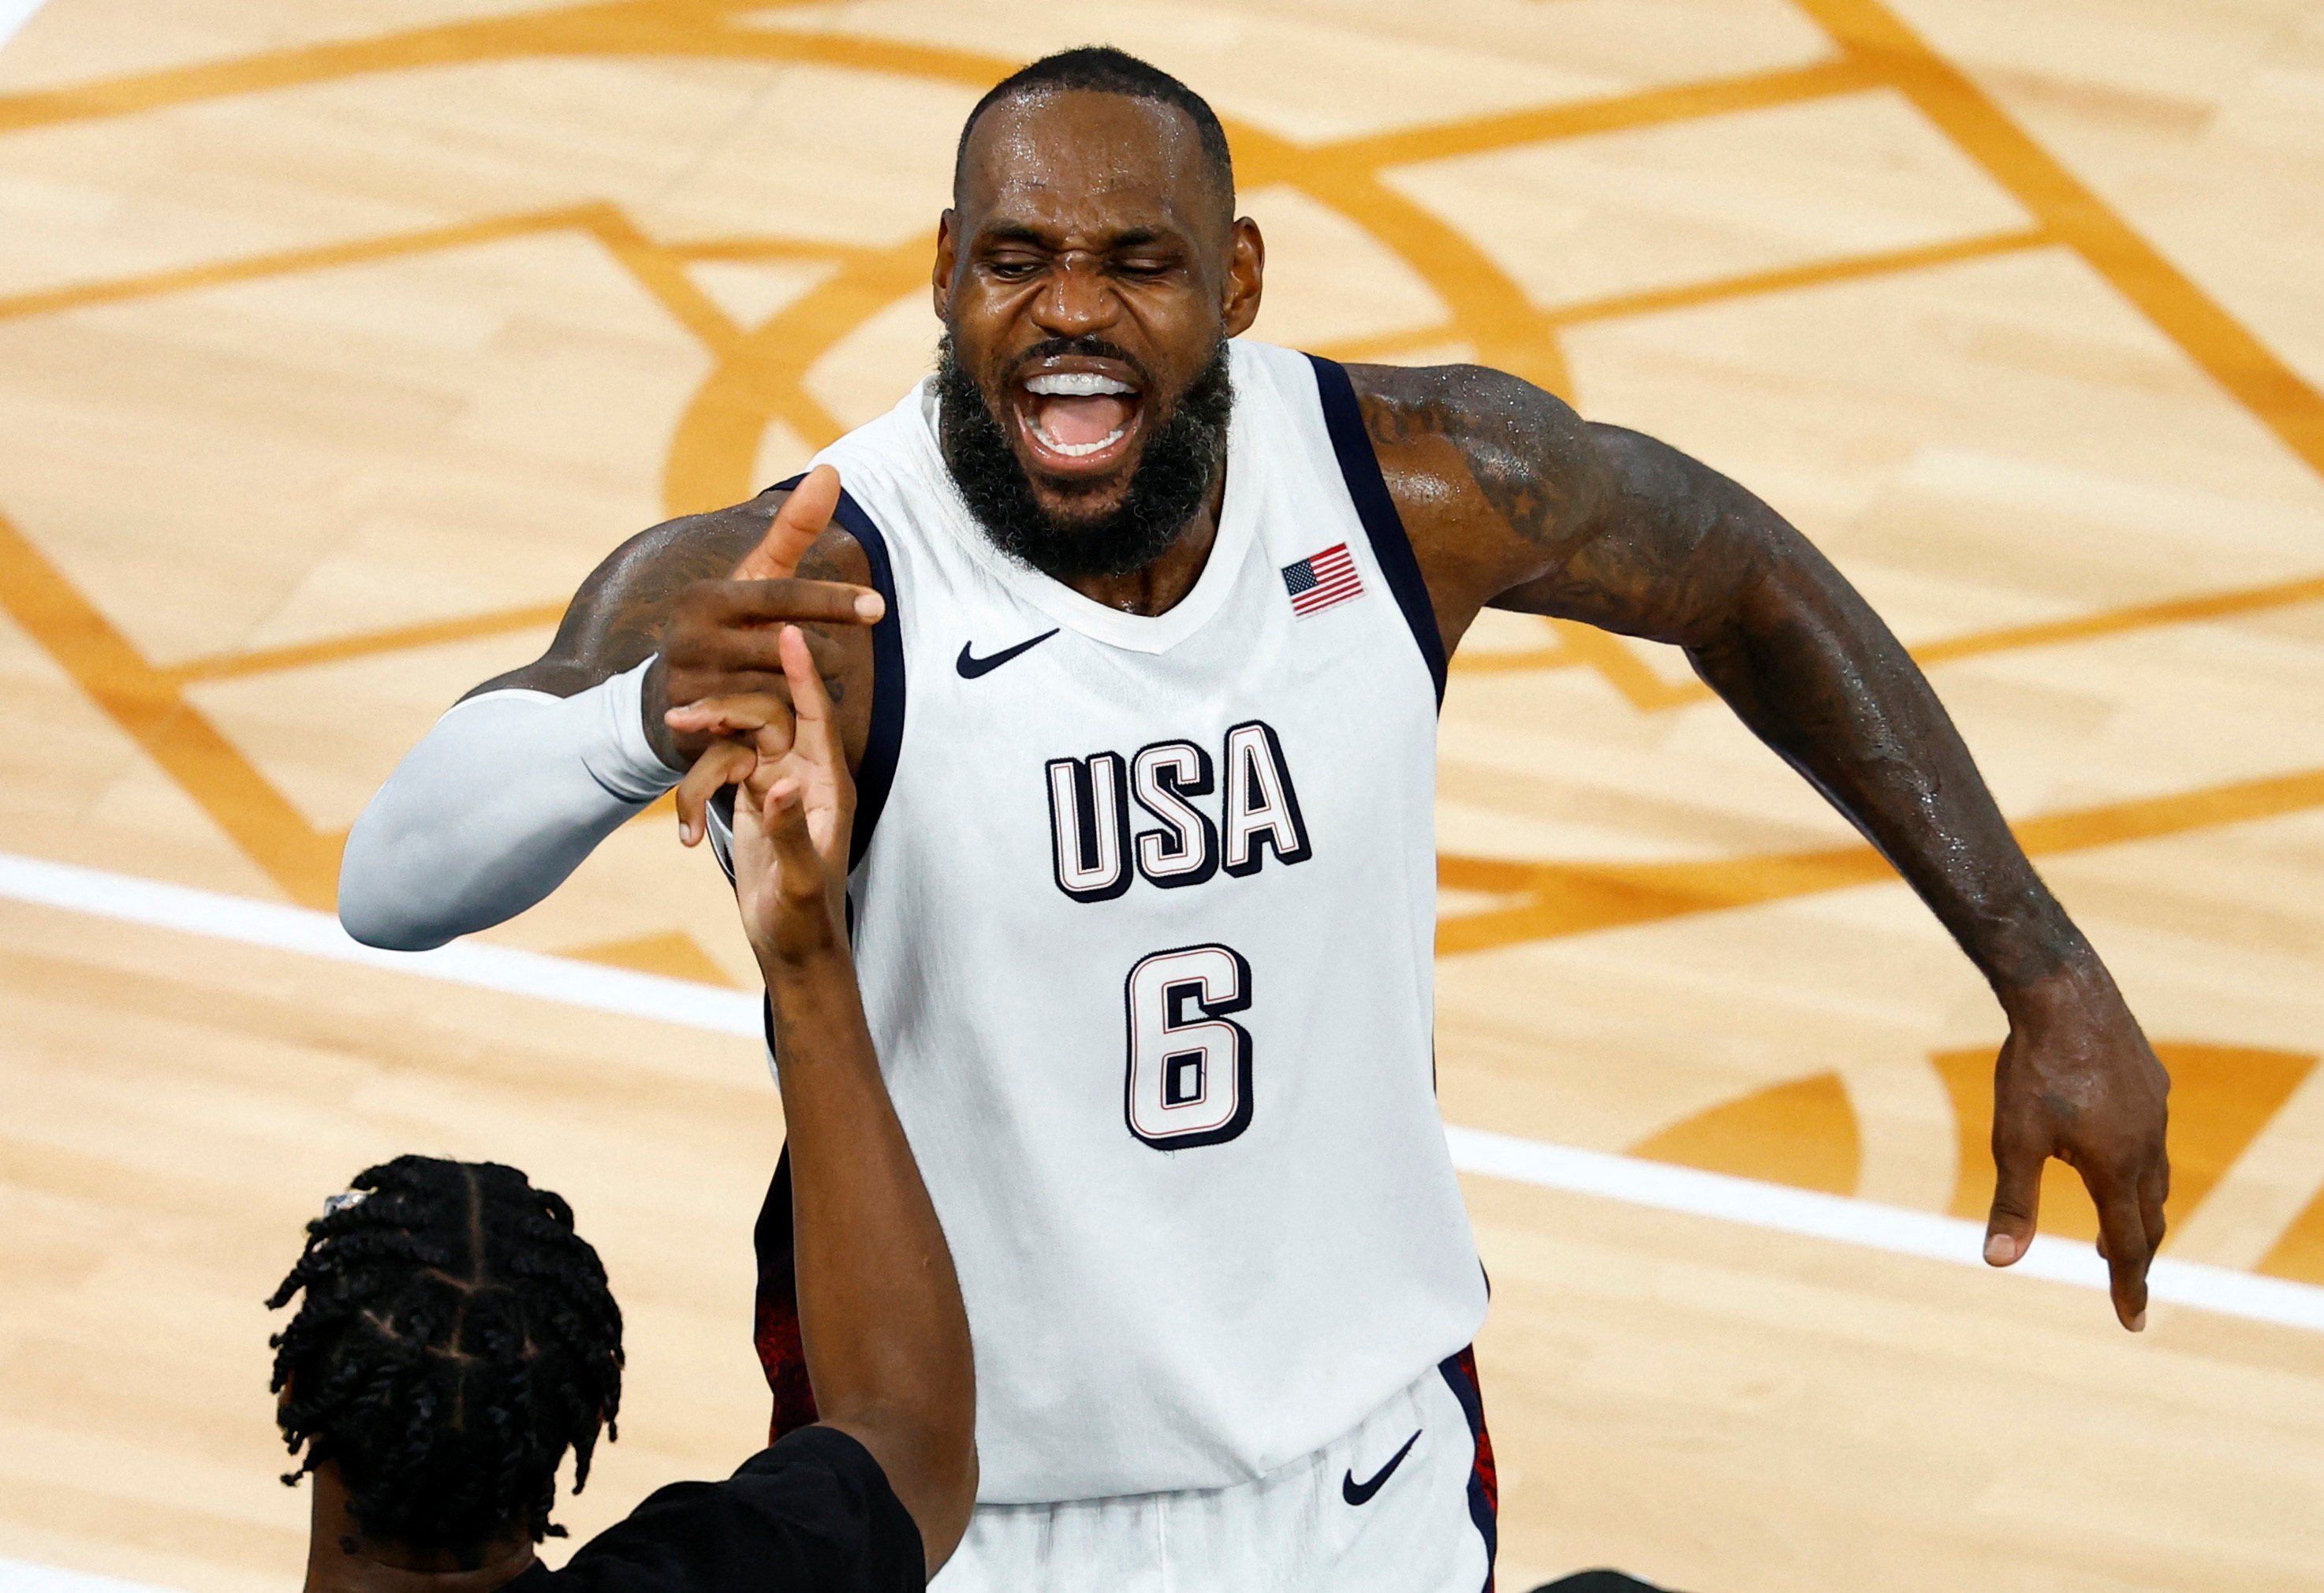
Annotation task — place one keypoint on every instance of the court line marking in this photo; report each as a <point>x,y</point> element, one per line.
<point>1867,1224</point>
<point>595,986</point>
<point>22,1576</point>
<point>14,15</point>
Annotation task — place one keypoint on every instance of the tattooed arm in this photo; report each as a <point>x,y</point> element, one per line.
<point>667,595</point>
<point>1514,502</point>
<point>520,781</point>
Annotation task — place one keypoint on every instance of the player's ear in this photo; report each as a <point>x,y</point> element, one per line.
<point>1246,270</point>
<point>946,261</point>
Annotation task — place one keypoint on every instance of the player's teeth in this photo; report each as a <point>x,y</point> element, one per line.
<point>1076,384</point>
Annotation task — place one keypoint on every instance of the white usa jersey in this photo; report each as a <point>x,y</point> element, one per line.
<point>1145,912</point>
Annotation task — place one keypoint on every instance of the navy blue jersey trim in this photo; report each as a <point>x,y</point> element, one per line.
<point>1344,418</point>
<point>1460,1374</point>
<point>876,773</point>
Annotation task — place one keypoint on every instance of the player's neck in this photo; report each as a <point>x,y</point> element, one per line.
<point>341,1559</point>
<point>1159,587</point>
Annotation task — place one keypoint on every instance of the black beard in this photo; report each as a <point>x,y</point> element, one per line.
<point>1168,485</point>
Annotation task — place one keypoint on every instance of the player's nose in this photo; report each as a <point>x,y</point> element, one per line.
<point>1076,300</point>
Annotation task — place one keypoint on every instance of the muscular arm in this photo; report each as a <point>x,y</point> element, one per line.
<point>665,591</point>
<point>509,792</point>
<point>1514,502</point>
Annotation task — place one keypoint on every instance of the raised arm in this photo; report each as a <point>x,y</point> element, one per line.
<point>880,1317</point>
<point>529,771</point>
<point>1516,503</point>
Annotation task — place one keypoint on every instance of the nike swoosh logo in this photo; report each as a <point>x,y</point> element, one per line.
<point>1360,1493</point>
<point>969,665</point>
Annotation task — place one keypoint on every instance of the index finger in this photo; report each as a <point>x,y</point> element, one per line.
<point>768,601</point>
<point>794,529</point>
<point>818,727</point>
<point>2122,1241</point>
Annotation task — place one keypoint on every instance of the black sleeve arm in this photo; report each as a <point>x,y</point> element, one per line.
<point>812,1515</point>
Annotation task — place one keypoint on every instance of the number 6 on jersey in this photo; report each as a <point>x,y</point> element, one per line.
<point>1189,1063</point>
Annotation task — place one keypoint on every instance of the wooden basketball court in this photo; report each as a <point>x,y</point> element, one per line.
<point>338,339</point>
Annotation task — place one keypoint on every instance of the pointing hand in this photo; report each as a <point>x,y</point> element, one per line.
<point>721,639</point>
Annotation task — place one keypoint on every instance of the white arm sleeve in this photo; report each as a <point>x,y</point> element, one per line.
<point>494,808</point>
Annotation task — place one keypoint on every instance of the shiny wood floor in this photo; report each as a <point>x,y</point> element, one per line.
<point>339,338</point>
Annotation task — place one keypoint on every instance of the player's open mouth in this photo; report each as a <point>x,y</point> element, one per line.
<point>1077,422</point>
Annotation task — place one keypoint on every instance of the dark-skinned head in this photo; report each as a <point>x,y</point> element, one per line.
<point>1089,274</point>
<point>456,1338</point>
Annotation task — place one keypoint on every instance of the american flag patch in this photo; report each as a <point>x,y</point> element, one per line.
<point>1322,579</point>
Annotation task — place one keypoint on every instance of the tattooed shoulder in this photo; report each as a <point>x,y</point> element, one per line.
<point>1523,449</point>
<point>626,599</point>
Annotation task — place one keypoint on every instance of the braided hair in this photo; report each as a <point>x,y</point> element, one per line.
<point>456,1338</point>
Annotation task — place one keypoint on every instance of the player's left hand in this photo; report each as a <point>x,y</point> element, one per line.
<point>2077,1080</point>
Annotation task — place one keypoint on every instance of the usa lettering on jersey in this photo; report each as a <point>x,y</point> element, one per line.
<point>1095,853</point>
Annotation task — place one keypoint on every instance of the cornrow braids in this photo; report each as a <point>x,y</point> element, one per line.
<point>456,1338</point>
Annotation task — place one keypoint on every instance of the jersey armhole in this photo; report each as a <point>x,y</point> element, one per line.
<point>1343,420</point>
<point>876,774</point>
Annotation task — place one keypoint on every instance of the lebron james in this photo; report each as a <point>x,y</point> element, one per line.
<point>1138,629</point>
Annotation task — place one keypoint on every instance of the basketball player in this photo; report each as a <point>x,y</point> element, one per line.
<point>1137,630</point>
<point>458,1335</point>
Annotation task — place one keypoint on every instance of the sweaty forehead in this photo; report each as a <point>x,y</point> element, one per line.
<point>1081,157</point>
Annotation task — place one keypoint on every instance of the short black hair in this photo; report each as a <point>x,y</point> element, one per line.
<point>456,1338</point>
<point>1100,69</point>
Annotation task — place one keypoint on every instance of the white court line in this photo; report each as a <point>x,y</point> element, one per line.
<point>14,15</point>
<point>575,983</point>
<point>1866,1223</point>
<point>21,1576</point>
<point>590,985</point>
